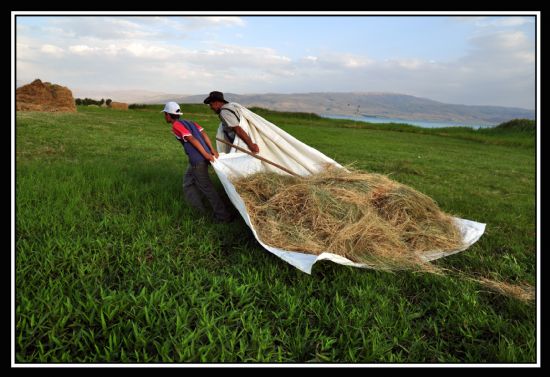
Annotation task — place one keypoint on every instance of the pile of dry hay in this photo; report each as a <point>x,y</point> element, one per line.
<point>367,218</point>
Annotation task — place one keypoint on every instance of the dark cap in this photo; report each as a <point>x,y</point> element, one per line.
<point>214,96</point>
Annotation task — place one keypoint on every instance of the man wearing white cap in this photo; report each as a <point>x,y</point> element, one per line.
<point>198,147</point>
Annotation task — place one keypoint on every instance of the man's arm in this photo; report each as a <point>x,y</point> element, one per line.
<point>209,144</point>
<point>199,147</point>
<point>244,136</point>
<point>231,119</point>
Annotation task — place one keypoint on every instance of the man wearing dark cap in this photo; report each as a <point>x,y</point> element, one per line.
<point>229,117</point>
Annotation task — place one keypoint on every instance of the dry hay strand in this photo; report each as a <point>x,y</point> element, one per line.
<point>523,292</point>
<point>367,218</point>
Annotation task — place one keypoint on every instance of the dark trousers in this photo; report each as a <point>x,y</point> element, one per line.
<point>197,181</point>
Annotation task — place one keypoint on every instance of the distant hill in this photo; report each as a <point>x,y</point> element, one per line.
<point>386,105</point>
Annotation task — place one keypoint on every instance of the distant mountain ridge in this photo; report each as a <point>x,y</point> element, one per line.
<point>386,105</point>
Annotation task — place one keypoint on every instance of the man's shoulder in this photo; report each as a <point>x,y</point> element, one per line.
<point>231,109</point>
<point>230,106</point>
<point>185,123</point>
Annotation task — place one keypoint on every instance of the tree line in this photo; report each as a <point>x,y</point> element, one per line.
<point>89,101</point>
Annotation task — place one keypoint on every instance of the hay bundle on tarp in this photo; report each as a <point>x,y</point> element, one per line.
<point>367,218</point>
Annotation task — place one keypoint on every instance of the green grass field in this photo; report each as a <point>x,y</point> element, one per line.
<point>112,266</point>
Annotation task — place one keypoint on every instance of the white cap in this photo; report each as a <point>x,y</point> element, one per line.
<point>171,108</point>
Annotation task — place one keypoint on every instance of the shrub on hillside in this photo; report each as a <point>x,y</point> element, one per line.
<point>525,125</point>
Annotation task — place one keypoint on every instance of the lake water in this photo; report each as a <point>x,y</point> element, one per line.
<point>418,123</point>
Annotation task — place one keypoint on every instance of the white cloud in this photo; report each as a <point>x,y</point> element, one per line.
<point>510,40</point>
<point>83,49</point>
<point>226,21</point>
<point>231,57</point>
<point>525,56</point>
<point>354,63</point>
<point>504,21</point>
<point>52,50</point>
<point>148,51</point>
<point>515,21</point>
<point>502,50</point>
<point>409,64</point>
<point>100,28</point>
<point>484,22</point>
<point>338,61</point>
<point>140,50</point>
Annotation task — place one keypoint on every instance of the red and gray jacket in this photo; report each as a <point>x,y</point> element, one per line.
<point>183,128</point>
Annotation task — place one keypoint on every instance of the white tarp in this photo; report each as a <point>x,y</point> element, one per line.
<point>278,146</point>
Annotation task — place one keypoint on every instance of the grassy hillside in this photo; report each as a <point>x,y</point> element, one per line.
<point>112,266</point>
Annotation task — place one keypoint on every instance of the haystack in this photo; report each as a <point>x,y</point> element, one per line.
<point>44,96</point>
<point>367,218</point>
<point>119,106</point>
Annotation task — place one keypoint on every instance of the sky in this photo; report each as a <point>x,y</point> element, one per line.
<point>471,60</point>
